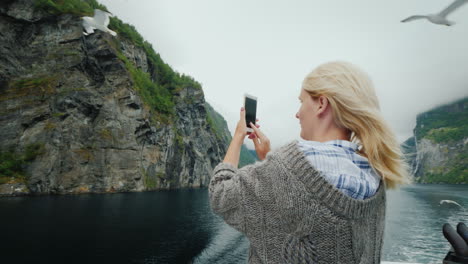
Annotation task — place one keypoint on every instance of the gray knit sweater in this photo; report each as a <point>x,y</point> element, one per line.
<point>291,214</point>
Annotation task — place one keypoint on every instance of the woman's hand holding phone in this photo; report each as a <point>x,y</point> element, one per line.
<point>261,142</point>
<point>241,128</point>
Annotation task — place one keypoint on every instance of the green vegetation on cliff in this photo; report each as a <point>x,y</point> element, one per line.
<point>154,95</point>
<point>12,162</point>
<point>217,124</point>
<point>37,86</point>
<point>444,123</point>
<point>159,87</point>
<point>75,7</point>
<point>457,171</point>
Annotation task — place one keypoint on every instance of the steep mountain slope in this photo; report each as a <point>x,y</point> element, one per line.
<point>438,151</point>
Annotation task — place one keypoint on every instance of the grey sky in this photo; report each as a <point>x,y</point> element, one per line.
<point>266,47</point>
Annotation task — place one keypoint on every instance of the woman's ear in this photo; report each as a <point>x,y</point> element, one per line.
<point>322,104</point>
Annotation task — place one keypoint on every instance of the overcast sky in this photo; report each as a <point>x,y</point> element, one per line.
<point>266,48</point>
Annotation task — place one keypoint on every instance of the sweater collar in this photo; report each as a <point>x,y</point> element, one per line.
<point>296,162</point>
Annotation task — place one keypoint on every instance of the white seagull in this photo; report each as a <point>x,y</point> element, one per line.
<point>100,21</point>
<point>441,17</point>
<point>449,201</point>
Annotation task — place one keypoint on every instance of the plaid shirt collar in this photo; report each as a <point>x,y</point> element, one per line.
<point>345,144</point>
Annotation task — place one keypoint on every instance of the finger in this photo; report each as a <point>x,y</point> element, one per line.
<point>258,132</point>
<point>242,114</point>
<point>256,142</point>
<point>260,135</point>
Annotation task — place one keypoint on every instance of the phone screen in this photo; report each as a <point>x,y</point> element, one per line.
<point>250,110</point>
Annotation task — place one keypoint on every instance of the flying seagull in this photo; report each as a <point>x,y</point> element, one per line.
<point>441,17</point>
<point>100,21</point>
<point>449,201</point>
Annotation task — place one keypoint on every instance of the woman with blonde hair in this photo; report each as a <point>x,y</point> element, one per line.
<point>321,198</point>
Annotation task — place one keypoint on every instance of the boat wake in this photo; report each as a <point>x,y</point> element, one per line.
<point>227,246</point>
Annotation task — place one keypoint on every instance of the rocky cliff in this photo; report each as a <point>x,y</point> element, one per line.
<point>95,113</point>
<point>438,151</point>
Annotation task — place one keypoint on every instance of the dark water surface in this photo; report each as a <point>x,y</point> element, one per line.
<point>179,227</point>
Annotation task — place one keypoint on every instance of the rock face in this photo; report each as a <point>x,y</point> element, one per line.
<point>74,96</point>
<point>438,151</point>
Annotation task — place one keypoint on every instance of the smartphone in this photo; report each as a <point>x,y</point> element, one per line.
<point>250,106</point>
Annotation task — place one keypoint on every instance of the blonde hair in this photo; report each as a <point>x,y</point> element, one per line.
<point>355,107</point>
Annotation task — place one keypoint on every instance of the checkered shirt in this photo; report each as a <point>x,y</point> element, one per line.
<point>342,167</point>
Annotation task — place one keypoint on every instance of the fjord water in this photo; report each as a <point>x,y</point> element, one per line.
<point>179,227</point>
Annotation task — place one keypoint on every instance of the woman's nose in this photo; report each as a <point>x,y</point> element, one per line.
<point>297,115</point>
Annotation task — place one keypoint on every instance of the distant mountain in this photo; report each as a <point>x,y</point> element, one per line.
<point>254,153</point>
<point>248,156</point>
<point>438,151</point>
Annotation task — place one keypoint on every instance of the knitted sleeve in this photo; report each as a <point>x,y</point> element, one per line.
<point>226,190</point>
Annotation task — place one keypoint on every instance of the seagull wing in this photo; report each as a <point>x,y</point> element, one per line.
<point>87,26</point>
<point>411,18</point>
<point>451,202</point>
<point>101,17</point>
<point>456,4</point>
